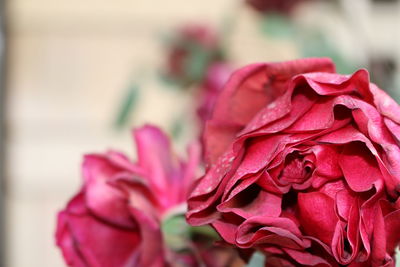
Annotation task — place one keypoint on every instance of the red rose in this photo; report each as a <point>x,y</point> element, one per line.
<point>304,165</point>
<point>190,52</point>
<point>117,217</point>
<point>272,6</point>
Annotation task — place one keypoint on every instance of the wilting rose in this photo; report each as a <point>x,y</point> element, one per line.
<point>190,52</point>
<point>274,6</point>
<point>304,165</point>
<point>217,75</point>
<point>116,218</point>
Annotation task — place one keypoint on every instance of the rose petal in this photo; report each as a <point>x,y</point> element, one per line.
<point>66,242</point>
<point>312,120</point>
<point>394,128</point>
<point>392,226</point>
<point>327,157</point>
<point>317,215</point>
<point>121,161</point>
<point>247,91</point>
<point>271,230</point>
<point>334,84</point>
<point>344,200</point>
<point>378,244</point>
<point>151,245</point>
<point>102,198</point>
<point>139,196</point>
<point>252,201</point>
<point>385,104</point>
<point>154,156</point>
<point>92,238</point>
<point>282,113</point>
<point>306,259</point>
<point>227,228</point>
<point>359,167</point>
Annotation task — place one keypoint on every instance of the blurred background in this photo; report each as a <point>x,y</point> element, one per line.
<point>77,75</point>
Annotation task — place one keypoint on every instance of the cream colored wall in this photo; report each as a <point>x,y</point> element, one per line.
<point>70,64</point>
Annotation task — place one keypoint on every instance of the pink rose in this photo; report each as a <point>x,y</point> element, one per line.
<point>116,219</point>
<point>304,165</point>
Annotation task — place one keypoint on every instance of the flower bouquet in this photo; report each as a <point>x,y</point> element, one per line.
<point>302,168</point>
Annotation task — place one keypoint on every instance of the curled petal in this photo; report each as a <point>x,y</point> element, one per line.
<point>392,226</point>
<point>85,240</point>
<point>270,230</point>
<point>359,167</point>
<point>246,92</point>
<point>317,215</point>
<point>101,197</point>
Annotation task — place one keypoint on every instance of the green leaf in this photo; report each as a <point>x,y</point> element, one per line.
<point>257,260</point>
<point>205,231</point>
<point>168,81</point>
<point>279,26</point>
<point>177,128</point>
<point>175,225</point>
<point>197,62</point>
<point>127,106</point>
<point>176,232</point>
